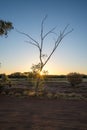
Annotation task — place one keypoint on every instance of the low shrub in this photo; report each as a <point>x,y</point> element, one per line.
<point>4,78</point>
<point>74,78</point>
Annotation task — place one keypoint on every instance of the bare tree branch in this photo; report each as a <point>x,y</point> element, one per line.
<point>43,36</point>
<point>42,29</point>
<point>57,42</point>
<point>67,33</point>
<point>51,31</point>
<point>65,28</point>
<point>28,36</point>
<point>49,56</point>
<point>44,19</point>
<point>42,39</point>
<point>32,44</point>
<point>41,44</point>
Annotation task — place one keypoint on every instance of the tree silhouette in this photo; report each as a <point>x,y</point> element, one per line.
<point>39,45</point>
<point>5,27</point>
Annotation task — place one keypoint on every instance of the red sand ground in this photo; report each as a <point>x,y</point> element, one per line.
<point>42,114</point>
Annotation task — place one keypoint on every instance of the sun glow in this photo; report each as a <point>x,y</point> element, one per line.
<point>41,73</point>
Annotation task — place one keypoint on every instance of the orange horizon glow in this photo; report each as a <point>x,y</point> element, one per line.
<point>49,73</point>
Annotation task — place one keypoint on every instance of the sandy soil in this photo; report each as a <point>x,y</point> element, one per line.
<point>42,114</point>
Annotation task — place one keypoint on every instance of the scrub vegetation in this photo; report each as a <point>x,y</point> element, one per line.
<point>52,86</point>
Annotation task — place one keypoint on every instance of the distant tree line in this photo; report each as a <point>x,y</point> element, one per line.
<point>30,75</point>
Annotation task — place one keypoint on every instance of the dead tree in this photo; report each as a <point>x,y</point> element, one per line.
<point>39,45</point>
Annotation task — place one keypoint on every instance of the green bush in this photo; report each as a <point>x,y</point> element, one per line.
<point>74,78</point>
<point>4,77</point>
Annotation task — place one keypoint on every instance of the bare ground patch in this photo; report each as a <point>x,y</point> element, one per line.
<point>42,114</point>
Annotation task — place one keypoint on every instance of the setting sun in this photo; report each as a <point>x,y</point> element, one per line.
<point>41,73</point>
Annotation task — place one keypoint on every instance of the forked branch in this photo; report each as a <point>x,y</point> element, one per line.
<point>43,35</point>
<point>36,43</point>
<point>57,42</point>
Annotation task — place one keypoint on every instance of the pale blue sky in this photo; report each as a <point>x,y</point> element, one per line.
<point>18,56</point>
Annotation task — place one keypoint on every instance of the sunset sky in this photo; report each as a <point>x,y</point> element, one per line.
<point>26,15</point>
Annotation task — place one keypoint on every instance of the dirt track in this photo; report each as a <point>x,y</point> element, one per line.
<point>42,114</point>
